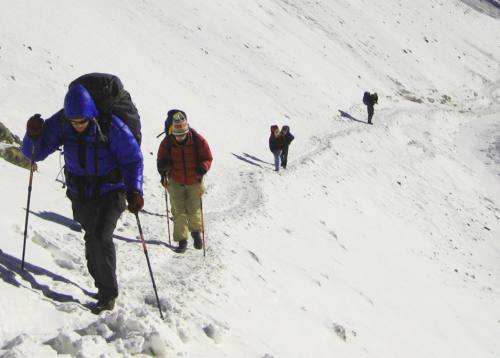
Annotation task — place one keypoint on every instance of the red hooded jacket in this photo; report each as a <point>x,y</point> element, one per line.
<point>180,160</point>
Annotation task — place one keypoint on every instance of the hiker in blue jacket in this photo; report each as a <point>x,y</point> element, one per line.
<point>102,167</point>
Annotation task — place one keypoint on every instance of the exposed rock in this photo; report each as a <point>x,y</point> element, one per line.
<point>6,135</point>
<point>13,155</point>
<point>213,333</point>
<point>9,148</point>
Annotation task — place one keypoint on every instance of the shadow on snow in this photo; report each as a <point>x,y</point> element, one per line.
<point>347,115</point>
<point>75,226</point>
<point>253,160</point>
<point>10,271</point>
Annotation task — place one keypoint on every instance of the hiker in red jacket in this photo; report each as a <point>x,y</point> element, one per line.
<point>184,157</point>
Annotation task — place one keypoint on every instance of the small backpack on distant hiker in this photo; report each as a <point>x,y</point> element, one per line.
<point>366,98</point>
<point>369,99</point>
<point>111,98</point>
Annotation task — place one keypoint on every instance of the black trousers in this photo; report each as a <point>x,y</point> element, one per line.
<point>284,156</point>
<point>98,218</point>
<point>370,113</point>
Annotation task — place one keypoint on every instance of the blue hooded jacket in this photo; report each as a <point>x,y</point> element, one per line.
<point>89,162</point>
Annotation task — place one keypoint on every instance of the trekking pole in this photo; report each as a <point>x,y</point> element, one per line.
<point>168,216</point>
<point>149,264</point>
<point>28,204</point>
<point>202,226</point>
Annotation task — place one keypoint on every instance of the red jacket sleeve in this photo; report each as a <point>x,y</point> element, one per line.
<point>163,160</point>
<point>204,153</point>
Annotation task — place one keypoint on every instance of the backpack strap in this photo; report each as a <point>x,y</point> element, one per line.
<point>196,145</point>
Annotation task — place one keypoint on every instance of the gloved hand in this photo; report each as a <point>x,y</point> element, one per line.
<point>34,127</point>
<point>135,202</point>
<point>163,166</point>
<point>200,169</point>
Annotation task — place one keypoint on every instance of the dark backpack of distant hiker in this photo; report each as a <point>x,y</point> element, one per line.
<point>366,98</point>
<point>169,120</point>
<point>111,98</point>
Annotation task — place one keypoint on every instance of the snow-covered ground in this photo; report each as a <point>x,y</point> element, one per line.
<point>377,241</point>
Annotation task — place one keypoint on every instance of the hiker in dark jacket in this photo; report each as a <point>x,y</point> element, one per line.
<point>287,138</point>
<point>276,145</point>
<point>184,157</point>
<point>370,100</point>
<point>99,175</point>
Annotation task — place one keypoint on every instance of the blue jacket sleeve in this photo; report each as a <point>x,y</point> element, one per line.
<point>128,154</point>
<point>50,140</point>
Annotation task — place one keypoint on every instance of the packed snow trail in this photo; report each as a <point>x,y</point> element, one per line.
<point>187,278</point>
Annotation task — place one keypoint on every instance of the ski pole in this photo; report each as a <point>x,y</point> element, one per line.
<point>202,226</point>
<point>149,264</point>
<point>28,204</point>
<point>168,216</point>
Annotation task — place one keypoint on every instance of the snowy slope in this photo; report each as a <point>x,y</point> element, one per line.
<point>378,241</point>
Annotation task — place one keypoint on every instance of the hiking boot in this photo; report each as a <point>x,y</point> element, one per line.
<point>198,243</point>
<point>182,247</point>
<point>104,304</point>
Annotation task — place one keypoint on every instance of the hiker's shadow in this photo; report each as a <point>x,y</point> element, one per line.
<point>75,226</point>
<point>144,211</point>
<point>58,219</point>
<point>257,159</point>
<point>10,271</point>
<point>246,160</point>
<point>347,115</point>
<point>250,159</point>
<point>170,246</point>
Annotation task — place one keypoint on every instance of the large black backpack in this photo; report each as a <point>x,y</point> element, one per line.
<point>111,98</point>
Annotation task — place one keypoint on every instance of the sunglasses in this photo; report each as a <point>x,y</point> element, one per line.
<point>78,121</point>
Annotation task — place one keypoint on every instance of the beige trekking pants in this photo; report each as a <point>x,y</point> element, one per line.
<point>185,201</point>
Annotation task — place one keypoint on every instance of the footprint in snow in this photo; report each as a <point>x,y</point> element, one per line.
<point>62,258</point>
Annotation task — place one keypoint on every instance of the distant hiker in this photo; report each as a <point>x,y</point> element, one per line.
<point>184,157</point>
<point>276,145</point>
<point>370,100</point>
<point>287,138</point>
<point>103,166</point>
